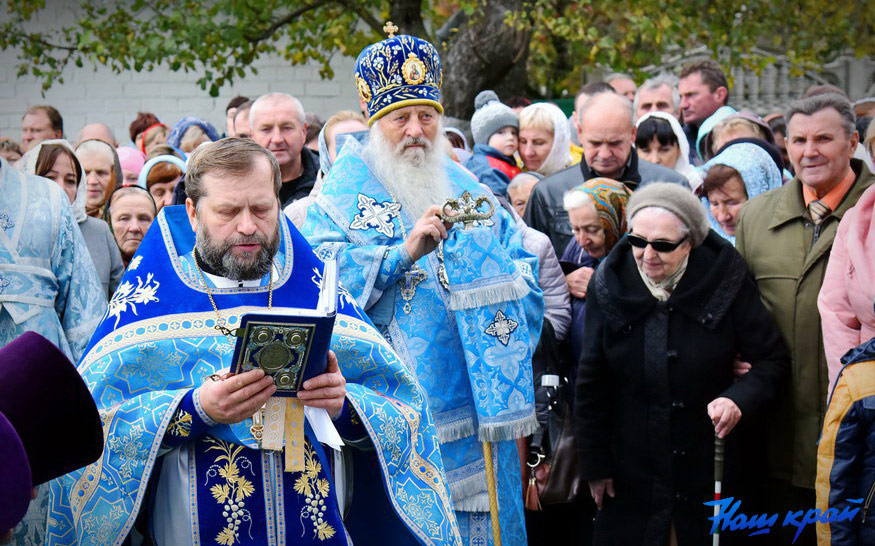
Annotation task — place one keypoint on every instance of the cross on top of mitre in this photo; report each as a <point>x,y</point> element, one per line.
<point>390,29</point>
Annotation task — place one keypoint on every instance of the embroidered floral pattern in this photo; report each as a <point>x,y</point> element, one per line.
<point>135,263</point>
<point>502,327</point>
<point>315,489</point>
<point>392,431</point>
<point>98,529</point>
<point>420,509</point>
<point>376,215</point>
<point>129,295</point>
<point>129,450</point>
<point>232,489</point>
<point>181,424</point>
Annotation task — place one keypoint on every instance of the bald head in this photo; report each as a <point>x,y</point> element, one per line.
<point>97,131</point>
<point>277,123</point>
<point>272,101</point>
<point>607,104</point>
<point>606,130</point>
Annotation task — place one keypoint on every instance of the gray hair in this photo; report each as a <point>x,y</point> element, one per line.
<point>520,179</point>
<point>599,97</point>
<point>103,125</point>
<point>616,76</point>
<point>575,199</point>
<point>235,156</point>
<point>274,98</point>
<point>655,83</point>
<point>101,147</point>
<point>809,106</point>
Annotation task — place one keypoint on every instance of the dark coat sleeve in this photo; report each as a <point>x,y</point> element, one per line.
<point>760,344</point>
<point>537,214</point>
<point>592,407</point>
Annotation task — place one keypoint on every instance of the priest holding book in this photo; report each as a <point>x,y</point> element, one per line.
<point>440,269</point>
<point>221,403</point>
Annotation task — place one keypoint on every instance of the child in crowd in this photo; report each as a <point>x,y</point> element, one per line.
<point>496,139</point>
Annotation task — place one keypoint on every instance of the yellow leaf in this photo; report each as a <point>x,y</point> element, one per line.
<point>226,537</point>
<point>324,531</point>
<point>323,487</point>
<point>220,492</point>
<point>302,486</point>
<point>229,472</point>
<point>244,489</point>
<point>312,467</point>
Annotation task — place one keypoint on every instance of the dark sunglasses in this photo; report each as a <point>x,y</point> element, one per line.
<point>659,246</point>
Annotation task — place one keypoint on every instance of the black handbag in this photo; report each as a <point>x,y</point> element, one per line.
<point>553,468</point>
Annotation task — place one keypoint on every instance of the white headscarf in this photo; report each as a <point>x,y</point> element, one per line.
<point>27,165</point>
<point>560,154</point>
<point>683,163</point>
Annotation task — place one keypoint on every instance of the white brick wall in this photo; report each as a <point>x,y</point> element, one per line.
<point>91,95</point>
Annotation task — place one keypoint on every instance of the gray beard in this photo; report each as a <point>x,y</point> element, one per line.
<point>220,261</point>
<point>415,177</point>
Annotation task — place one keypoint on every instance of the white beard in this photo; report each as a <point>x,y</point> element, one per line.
<point>415,177</point>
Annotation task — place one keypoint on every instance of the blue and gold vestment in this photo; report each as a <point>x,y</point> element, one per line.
<point>157,343</point>
<point>469,345</point>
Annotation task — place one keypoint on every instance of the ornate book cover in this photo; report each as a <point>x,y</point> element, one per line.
<point>291,348</point>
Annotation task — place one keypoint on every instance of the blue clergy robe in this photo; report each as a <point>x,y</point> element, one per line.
<point>475,391</point>
<point>201,482</point>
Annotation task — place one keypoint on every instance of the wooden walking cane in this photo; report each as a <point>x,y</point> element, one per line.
<point>493,494</point>
<point>718,483</point>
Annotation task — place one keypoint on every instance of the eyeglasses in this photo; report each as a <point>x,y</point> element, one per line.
<point>658,246</point>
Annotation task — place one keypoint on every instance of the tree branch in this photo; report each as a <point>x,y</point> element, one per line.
<point>407,14</point>
<point>285,20</point>
<point>363,14</point>
<point>454,22</point>
<point>37,39</point>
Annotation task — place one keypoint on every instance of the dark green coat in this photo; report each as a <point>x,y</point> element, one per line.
<point>778,243</point>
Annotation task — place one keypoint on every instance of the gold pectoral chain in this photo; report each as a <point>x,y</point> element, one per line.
<point>257,428</point>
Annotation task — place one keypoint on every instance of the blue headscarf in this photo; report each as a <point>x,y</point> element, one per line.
<point>175,137</point>
<point>757,169</point>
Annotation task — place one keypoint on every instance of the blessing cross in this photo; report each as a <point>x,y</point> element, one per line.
<point>466,209</point>
<point>390,29</point>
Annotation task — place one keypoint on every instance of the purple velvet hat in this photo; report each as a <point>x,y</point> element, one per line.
<point>44,398</point>
<point>15,483</point>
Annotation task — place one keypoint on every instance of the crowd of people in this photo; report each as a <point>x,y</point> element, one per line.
<point>545,337</point>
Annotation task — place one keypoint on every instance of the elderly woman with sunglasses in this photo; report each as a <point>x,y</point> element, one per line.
<point>668,310</point>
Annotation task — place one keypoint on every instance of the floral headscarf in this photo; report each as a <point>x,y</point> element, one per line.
<point>610,198</point>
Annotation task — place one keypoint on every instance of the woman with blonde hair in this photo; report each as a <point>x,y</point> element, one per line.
<point>545,139</point>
